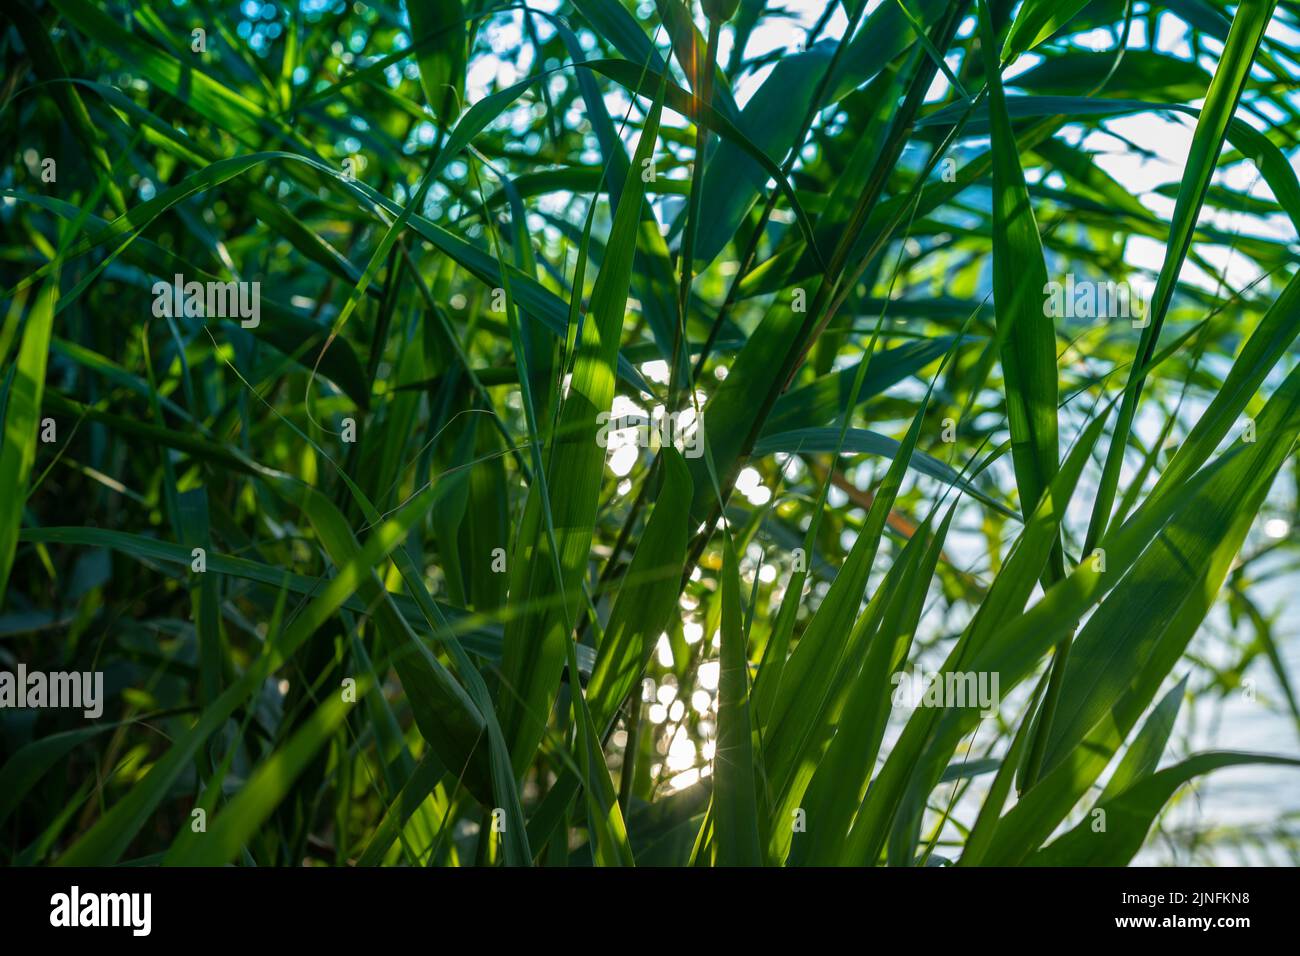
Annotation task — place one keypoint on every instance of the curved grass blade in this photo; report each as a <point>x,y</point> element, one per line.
<point>1129,816</point>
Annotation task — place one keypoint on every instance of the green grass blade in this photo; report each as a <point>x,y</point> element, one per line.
<point>735,807</point>
<point>22,414</point>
